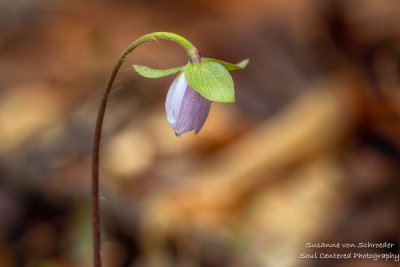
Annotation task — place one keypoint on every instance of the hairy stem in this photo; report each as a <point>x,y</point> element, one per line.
<point>194,57</point>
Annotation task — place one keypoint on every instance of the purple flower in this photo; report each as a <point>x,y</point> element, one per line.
<point>186,109</point>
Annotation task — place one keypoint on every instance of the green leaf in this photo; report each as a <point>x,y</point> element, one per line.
<point>211,80</point>
<point>153,73</point>
<point>228,66</point>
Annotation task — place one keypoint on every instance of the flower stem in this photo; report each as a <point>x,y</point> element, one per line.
<point>194,57</point>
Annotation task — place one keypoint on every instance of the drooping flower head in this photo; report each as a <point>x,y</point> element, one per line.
<point>198,84</point>
<point>186,109</point>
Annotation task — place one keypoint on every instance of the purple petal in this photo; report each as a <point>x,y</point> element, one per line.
<point>201,113</point>
<point>186,109</point>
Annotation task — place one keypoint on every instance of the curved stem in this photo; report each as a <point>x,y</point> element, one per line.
<point>194,57</point>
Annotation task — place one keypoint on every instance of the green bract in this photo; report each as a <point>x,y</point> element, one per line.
<point>228,66</point>
<point>211,80</point>
<point>209,77</point>
<point>153,73</point>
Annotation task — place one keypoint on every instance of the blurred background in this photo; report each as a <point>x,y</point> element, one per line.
<point>309,152</point>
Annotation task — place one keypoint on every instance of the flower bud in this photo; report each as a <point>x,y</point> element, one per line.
<point>186,109</point>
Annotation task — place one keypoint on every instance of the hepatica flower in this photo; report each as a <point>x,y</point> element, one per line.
<point>198,83</point>
<point>186,109</point>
